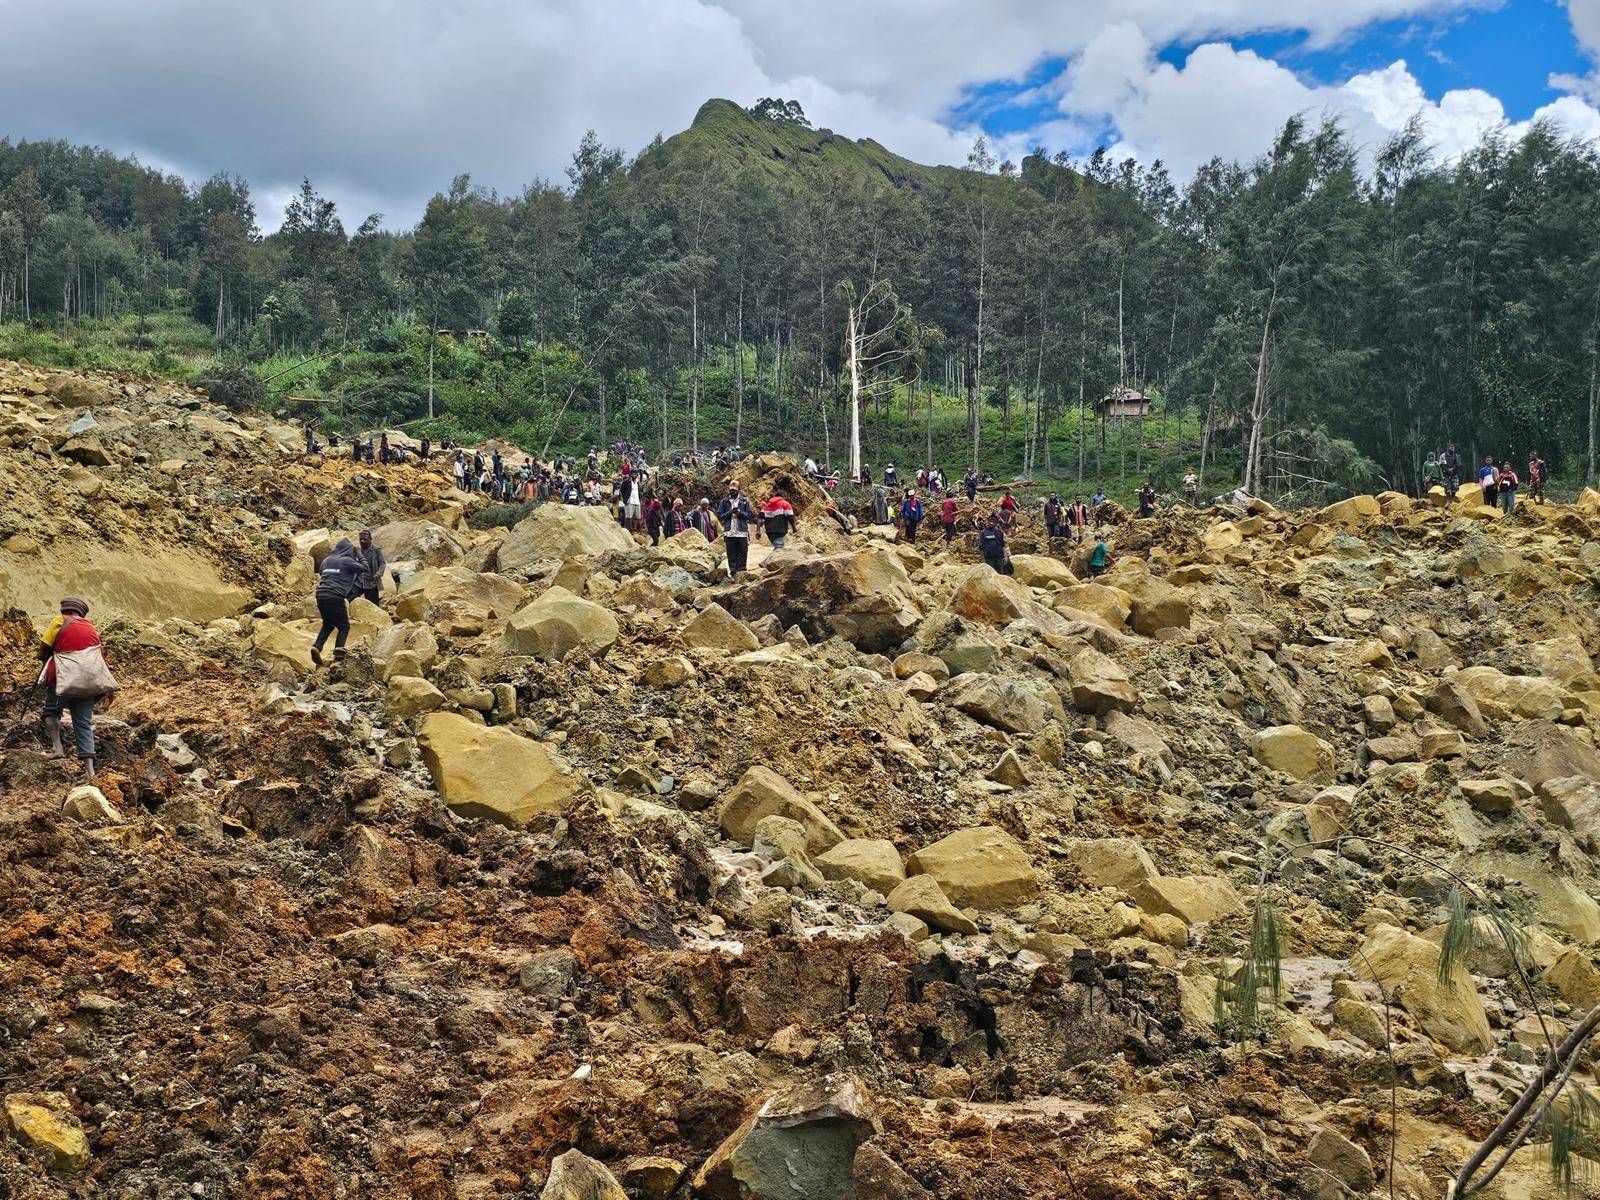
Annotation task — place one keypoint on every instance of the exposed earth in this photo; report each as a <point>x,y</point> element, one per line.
<point>873,873</point>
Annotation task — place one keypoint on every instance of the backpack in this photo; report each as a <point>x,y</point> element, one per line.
<point>83,674</point>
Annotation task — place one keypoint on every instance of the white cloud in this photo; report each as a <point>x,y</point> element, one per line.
<point>1230,102</point>
<point>1585,15</point>
<point>381,102</point>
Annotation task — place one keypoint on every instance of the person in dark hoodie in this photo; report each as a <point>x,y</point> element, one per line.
<point>338,580</point>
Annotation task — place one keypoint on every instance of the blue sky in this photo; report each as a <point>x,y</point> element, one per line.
<point>1512,50</point>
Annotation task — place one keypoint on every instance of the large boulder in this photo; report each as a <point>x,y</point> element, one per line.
<point>1447,1010</point>
<point>557,623</point>
<point>921,896</point>
<point>762,792</point>
<point>420,542</point>
<point>1351,513</point>
<point>1013,704</point>
<point>984,595</point>
<point>562,531</point>
<point>1042,571</point>
<point>457,599</point>
<point>493,773</point>
<point>799,1145</point>
<point>1294,751</point>
<point>285,644</point>
<point>872,861</point>
<point>1099,685</point>
<point>1155,603</point>
<point>1111,604</point>
<point>1111,862</point>
<point>982,867</point>
<point>576,1176</point>
<point>714,628</point>
<point>1498,695</point>
<point>864,596</point>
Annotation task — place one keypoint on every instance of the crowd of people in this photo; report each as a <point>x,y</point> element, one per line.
<point>1497,482</point>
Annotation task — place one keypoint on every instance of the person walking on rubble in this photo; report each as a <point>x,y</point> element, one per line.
<point>375,565</point>
<point>992,545</point>
<point>338,580</point>
<point>910,515</point>
<point>75,676</point>
<point>735,514</point>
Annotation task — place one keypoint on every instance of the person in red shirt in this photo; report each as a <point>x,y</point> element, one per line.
<point>777,518</point>
<point>947,517</point>
<point>70,631</point>
<point>1008,510</point>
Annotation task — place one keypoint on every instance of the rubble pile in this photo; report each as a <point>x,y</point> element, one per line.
<point>591,873</point>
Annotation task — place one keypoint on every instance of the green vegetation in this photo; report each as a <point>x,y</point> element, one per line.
<point>1304,325</point>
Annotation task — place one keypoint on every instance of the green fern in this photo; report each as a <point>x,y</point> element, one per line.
<point>1239,1000</point>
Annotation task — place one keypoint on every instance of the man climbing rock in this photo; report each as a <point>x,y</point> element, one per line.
<point>375,565</point>
<point>777,518</point>
<point>338,581</point>
<point>73,657</point>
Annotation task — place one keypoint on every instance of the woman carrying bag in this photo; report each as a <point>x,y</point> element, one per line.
<point>75,675</point>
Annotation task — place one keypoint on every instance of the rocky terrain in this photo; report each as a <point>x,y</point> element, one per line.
<point>874,873</point>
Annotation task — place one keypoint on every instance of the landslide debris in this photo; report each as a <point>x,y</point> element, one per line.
<point>590,873</point>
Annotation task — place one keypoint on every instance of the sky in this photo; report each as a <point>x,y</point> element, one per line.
<point>381,102</point>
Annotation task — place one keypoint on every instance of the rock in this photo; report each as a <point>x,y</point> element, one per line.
<point>913,929</point>
<point>921,897</point>
<point>669,671</point>
<point>1156,604</point>
<point>872,861</point>
<point>272,641</point>
<point>1351,513</point>
<point>88,805</point>
<point>1292,750</point>
<point>1455,706</point>
<point>984,595</point>
<point>1039,570</point>
<point>1099,684</point>
<point>458,599</point>
<point>1448,1011</point>
<point>1574,978</point>
<point>420,542</point>
<point>878,1177</point>
<point>574,1175</point>
<point>922,686</point>
<point>549,973</point>
<point>1438,742</point>
<point>1572,802</point>
<point>914,662</point>
<point>799,1145</point>
<point>1111,862</point>
<point>409,696</point>
<point>1356,1018</point>
<point>1491,797</point>
<point>983,867</point>
<point>782,841</point>
<point>1499,695</point>
<point>405,637</point>
<point>651,1177</point>
<point>715,629</point>
<point>558,623</point>
<point>866,597</point>
<point>561,531</point>
<point>1392,749</point>
<point>1015,705</point>
<point>1111,604</point>
<point>760,793</point>
<point>368,945</point>
<point>1378,714</point>
<point>1009,771</point>
<point>44,1122</point>
<point>1343,1159</point>
<point>1193,899</point>
<point>491,772</point>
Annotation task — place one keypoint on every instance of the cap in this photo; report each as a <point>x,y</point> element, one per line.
<point>74,604</point>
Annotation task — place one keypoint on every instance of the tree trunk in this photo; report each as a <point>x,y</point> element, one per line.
<point>1205,432</point>
<point>855,393</point>
<point>1083,373</point>
<point>604,440</point>
<point>433,337</point>
<point>1258,404</point>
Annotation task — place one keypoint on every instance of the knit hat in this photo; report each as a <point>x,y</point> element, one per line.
<point>74,604</point>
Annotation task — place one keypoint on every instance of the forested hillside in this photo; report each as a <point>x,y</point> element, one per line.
<point>1313,321</point>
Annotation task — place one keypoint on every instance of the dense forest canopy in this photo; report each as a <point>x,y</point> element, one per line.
<point>1314,317</point>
